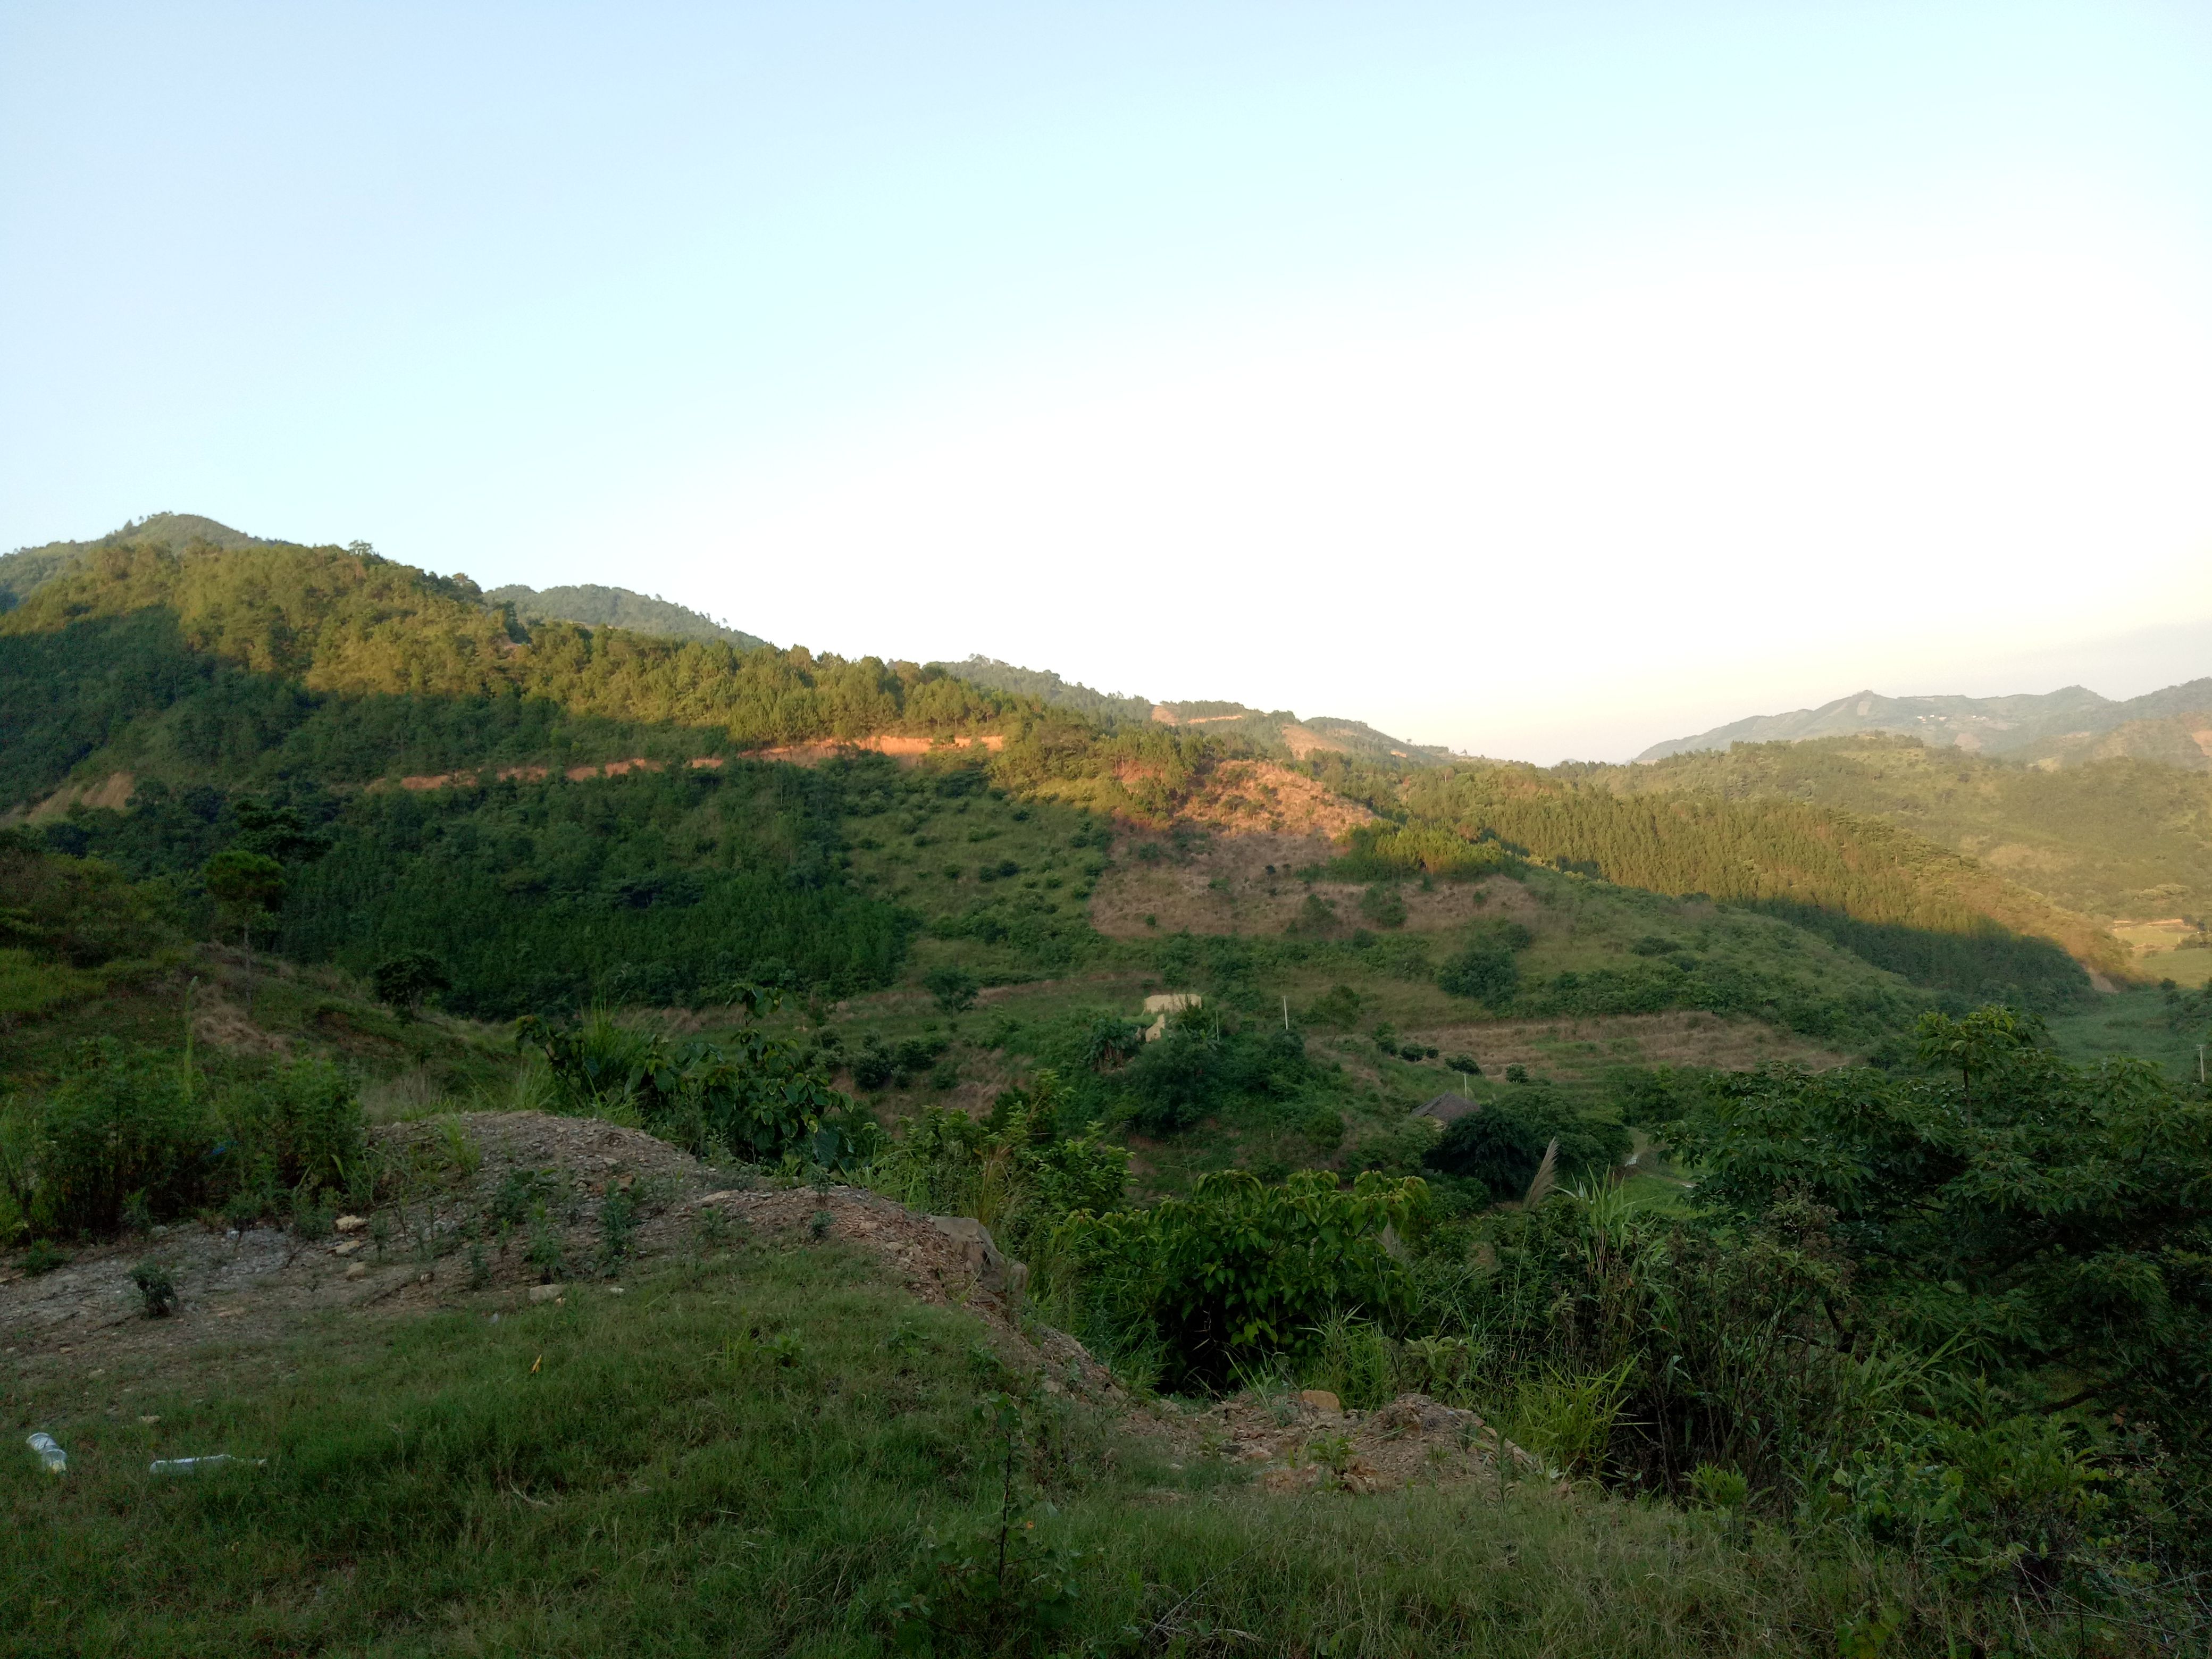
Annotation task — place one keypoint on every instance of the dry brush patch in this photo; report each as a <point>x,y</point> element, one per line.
<point>1223,884</point>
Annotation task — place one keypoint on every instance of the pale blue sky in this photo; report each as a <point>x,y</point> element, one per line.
<point>1538,379</point>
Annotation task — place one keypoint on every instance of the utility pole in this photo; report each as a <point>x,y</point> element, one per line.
<point>1286,1026</point>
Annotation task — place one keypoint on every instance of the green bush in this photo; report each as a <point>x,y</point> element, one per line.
<point>1201,1066</point>
<point>953,987</point>
<point>403,980</point>
<point>1383,905</point>
<point>1485,973</point>
<point>157,1289</point>
<point>120,1125</point>
<point>302,1128</point>
<point>1241,1271</point>
<point>1501,1145</point>
<point>757,1098</point>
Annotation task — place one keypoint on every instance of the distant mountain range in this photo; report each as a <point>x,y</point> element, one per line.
<point>2173,725</point>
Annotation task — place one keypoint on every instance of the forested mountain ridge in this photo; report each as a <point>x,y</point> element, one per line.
<point>596,606</point>
<point>2113,838</point>
<point>2059,725</point>
<point>346,667</point>
<point>270,665</point>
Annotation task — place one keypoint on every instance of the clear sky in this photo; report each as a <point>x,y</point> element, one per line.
<point>1541,379</point>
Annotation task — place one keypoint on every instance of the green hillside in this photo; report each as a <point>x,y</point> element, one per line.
<point>279,669</point>
<point>27,568</point>
<point>2110,838</point>
<point>1890,896</point>
<point>594,606</point>
<point>1106,708</point>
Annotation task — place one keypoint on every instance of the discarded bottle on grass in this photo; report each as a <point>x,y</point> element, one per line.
<point>194,1465</point>
<point>54,1459</point>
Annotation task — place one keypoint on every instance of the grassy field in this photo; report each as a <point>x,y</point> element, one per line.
<point>751,1452</point>
<point>2133,1023</point>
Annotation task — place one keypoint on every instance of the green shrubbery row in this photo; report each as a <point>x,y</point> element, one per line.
<point>127,1137</point>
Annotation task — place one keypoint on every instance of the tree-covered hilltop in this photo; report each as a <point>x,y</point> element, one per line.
<point>593,606</point>
<point>28,567</point>
<point>2118,837</point>
<point>1107,707</point>
<point>343,666</point>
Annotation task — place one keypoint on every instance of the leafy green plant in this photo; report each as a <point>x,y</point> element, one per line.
<point>1383,905</point>
<point>1568,1418</point>
<point>157,1289</point>
<point>43,1257</point>
<point>999,1585</point>
<point>763,1096</point>
<point>617,1227</point>
<point>1719,1488</point>
<point>405,980</point>
<point>1241,1270</point>
<point>953,987</point>
<point>118,1123</point>
<point>546,1254</point>
<point>1485,972</point>
<point>1502,1146</point>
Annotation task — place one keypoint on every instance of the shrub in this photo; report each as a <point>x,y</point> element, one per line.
<point>302,1128</point>
<point>405,980</point>
<point>1383,905</point>
<point>1339,1005</point>
<point>953,987</point>
<point>1200,1067</point>
<point>760,1096</point>
<point>118,1125</point>
<point>1240,1270</point>
<point>1324,1128</point>
<point>157,1290</point>
<point>1501,1145</point>
<point>1485,973</point>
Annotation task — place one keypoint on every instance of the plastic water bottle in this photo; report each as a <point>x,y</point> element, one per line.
<point>193,1465</point>
<point>54,1459</point>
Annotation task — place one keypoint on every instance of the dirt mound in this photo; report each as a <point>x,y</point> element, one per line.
<point>437,1239</point>
<point>1305,1442</point>
<point>933,1264</point>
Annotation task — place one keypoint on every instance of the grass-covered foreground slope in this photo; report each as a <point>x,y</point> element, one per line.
<point>750,1453</point>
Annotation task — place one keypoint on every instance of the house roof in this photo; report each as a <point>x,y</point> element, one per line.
<point>1448,1107</point>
